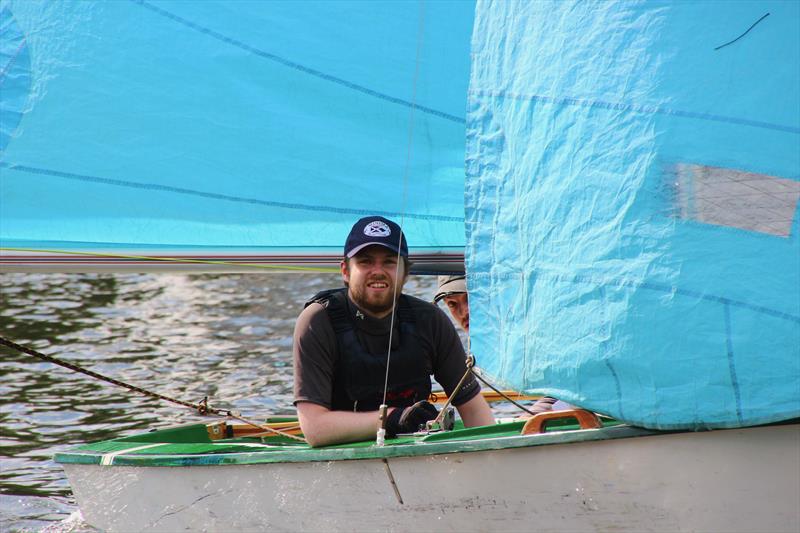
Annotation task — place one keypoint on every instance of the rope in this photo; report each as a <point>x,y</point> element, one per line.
<point>501,393</point>
<point>202,406</point>
<point>440,416</point>
<point>470,369</point>
<point>477,375</point>
<point>237,416</point>
<point>470,365</point>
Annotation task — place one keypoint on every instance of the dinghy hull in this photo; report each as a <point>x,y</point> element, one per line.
<point>617,478</point>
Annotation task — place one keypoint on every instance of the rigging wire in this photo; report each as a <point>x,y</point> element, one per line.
<point>500,392</point>
<point>383,410</point>
<point>409,149</point>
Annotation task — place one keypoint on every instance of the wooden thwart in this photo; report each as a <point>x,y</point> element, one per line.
<point>440,398</point>
<point>223,430</point>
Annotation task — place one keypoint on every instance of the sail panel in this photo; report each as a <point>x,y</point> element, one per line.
<point>633,176</point>
<point>149,125</point>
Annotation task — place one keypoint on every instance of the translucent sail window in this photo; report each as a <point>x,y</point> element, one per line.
<point>744,200</point>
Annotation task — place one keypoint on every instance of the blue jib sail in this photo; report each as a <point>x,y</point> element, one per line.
<point>632,206</point>
<point>150,126</point>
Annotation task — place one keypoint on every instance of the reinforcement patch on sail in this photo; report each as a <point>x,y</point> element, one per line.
<point>633,175</point>
<point>744,200</point>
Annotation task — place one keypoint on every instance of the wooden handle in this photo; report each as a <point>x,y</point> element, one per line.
<point>586,419</point>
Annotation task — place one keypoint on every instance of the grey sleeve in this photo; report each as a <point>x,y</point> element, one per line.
<point>450,361</point>
<point>314,356</point>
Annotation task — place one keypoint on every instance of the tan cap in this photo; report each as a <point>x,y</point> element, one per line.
<point>450,285</point>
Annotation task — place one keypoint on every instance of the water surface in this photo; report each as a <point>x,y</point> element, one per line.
<point>227,337</point>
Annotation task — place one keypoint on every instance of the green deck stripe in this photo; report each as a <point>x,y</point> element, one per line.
<point>502,436</point>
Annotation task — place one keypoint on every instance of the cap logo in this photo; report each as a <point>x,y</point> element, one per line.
<point>377,228</point>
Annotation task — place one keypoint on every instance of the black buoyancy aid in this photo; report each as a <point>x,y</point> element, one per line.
<point>359,375</point>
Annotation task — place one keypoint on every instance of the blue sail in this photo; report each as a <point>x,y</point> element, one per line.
<point>150,126</point>
<point>632,206</point>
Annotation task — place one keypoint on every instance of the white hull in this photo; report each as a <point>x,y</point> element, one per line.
<point>731,480</point>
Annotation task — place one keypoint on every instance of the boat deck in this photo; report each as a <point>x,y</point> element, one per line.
<point>193,445</point>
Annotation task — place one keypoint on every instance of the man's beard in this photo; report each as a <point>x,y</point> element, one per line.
<point>374,304</point>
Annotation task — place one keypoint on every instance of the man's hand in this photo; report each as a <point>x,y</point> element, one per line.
<point>409,419</point>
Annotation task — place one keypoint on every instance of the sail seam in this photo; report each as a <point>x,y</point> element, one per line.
<point>636,108</point>
<point>657,287</point>
<point>732,364</point>
<point>11,61</point>
<point>297,66</point>
<point>220,196</point>
<point>606,356</point>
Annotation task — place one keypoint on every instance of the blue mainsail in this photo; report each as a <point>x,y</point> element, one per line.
<point>632,224</point>
<point>253,128</point>
<point>633,170</point>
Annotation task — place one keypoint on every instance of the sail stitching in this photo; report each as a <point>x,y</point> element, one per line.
<point>297,66</point>
<point>732,364</point>
<point>219,196</point>
<point>636,108</point>
<point>11,62</point>
<point>660,288</point>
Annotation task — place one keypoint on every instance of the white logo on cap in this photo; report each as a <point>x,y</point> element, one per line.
<point>377,229</point>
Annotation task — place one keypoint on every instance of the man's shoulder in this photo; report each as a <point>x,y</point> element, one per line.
<point>312,316</point>
<point>418,304</point>
<point>327,296</point>
<point>425,310</point>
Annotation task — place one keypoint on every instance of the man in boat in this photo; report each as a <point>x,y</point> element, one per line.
<point>341,341</point>
<point>453,291</point>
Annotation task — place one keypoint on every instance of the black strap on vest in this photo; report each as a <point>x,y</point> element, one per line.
<point>336,309</point>
<point>333,300</point>
<point>359,375</point>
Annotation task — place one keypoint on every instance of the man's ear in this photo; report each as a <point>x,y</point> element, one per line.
<point>343,266</point>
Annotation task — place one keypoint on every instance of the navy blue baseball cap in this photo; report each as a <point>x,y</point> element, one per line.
<point>375,230</point>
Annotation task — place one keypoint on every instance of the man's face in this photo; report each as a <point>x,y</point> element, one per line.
<point>458,304</point>
<point>374,279</point>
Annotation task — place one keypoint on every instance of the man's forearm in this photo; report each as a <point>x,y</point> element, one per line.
<point>322,427</point>
<point>476,412</point>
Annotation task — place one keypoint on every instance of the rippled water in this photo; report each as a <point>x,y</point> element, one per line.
<point>227,337</point>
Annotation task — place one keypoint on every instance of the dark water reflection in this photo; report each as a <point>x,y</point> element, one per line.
<point>187,336</point>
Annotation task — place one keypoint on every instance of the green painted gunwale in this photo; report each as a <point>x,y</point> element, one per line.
<point>190,446</point>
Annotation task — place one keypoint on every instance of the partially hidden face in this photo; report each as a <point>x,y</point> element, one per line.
<point>458,304</point>
<point>374,279</point>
